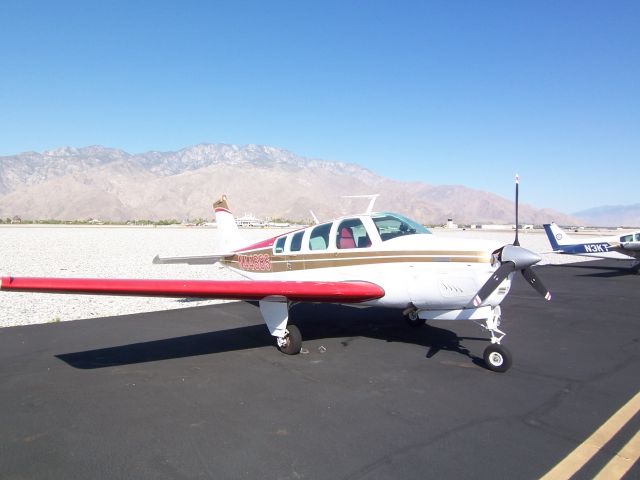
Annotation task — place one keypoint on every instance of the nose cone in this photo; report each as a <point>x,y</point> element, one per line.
<point>521,257</point>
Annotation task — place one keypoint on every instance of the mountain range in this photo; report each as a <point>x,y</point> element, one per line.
<point>611,215</point>
<point>110,184</point>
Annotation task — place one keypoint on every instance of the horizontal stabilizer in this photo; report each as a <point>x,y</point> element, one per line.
<point>197,260</point>
<point>330,292</point>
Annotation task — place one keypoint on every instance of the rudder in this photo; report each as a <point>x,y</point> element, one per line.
<point>557,237</point>
<point>229,238</point>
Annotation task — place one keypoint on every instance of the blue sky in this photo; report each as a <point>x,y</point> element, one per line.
<point>447,92</point>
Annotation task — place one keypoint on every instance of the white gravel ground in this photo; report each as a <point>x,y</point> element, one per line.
<point>126,252</point>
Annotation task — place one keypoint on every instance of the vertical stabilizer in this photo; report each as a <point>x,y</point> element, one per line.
<point>229,238</point>
<point>557,237</point>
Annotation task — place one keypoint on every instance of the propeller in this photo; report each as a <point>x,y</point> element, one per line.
<point>513,257</point>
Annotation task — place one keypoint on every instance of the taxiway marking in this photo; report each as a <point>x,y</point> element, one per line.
<point>619,464</point>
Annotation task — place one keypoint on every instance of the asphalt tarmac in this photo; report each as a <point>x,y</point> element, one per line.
<point>203,392</point>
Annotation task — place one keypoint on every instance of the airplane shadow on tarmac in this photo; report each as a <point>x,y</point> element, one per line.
<point>602,268</point>
<point>315,321</point>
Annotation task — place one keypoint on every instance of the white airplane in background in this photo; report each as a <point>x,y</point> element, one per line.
<point>370,259</point>
<point>618,247</point>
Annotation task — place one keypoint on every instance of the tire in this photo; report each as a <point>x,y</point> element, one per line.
<point>293,341</point>
<point>497,358</point>
<point>414,321</point>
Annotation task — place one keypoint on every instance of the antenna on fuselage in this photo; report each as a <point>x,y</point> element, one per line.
<point>371,201</point>
<point>516,242</point>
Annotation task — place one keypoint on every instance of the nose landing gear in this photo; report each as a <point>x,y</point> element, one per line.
<point>497,358</point>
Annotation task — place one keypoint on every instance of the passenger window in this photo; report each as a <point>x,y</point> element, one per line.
<point>626,238</point>
<point>637,237</point>
<point>319,239</point>
<point>296,242</point>
<point>279,247</point>
<point>352,234</point>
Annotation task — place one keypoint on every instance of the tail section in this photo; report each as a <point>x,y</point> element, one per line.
<point>558,237</point>
<point>229,238</point>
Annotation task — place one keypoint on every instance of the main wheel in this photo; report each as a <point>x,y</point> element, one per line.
<point>413,320</point>
<point>292,342</point>
<point>497,358</point>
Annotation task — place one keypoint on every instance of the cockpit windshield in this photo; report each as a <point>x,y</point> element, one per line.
<point>392,225</point>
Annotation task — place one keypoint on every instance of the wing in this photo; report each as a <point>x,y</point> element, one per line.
<point>330,292</point>
<point>198,260</point>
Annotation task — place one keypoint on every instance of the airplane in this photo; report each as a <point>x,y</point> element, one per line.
<point>378,259</point>
<point>617,247</point>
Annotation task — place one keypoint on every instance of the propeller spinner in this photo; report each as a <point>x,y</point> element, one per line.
<point>513,257</point>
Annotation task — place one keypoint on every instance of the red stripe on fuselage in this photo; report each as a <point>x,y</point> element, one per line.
<point>268,243</point>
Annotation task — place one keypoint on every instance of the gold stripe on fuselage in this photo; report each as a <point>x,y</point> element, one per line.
<point>265,261</point>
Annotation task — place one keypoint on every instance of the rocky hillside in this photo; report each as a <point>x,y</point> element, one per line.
<point>110,184</point>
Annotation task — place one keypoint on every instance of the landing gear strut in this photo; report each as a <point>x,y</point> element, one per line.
<point>275,312</point>
<point>496,357</point>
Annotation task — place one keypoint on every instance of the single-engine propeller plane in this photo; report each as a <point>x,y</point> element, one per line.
<point>369,259</point>
<point>625,246</point>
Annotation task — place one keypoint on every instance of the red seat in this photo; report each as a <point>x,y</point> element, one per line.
<point>345,239</point>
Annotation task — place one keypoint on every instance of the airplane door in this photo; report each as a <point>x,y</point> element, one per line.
<point>632,242</point>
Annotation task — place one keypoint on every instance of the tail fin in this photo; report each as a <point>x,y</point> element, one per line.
<point>557,237</point>
<point>229,238</point>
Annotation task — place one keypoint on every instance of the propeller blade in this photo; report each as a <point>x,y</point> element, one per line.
<point>536,283</point>
<point>513,257</point>
<point>494,280</point>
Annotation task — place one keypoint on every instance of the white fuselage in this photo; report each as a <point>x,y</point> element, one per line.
<point>426,271</point>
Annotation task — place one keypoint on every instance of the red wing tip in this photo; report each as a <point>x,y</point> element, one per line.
<point>547,297</point>
<point>477,301</point>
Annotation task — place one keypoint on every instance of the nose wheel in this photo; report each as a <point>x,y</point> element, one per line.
<point>497,358</point>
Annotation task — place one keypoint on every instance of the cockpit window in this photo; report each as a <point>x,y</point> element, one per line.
<point>630,238</point>
<point>392,225</point>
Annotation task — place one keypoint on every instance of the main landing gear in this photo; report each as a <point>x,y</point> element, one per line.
<point>291,343</point>
<point>275,311</point>
<point>412,318</point>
